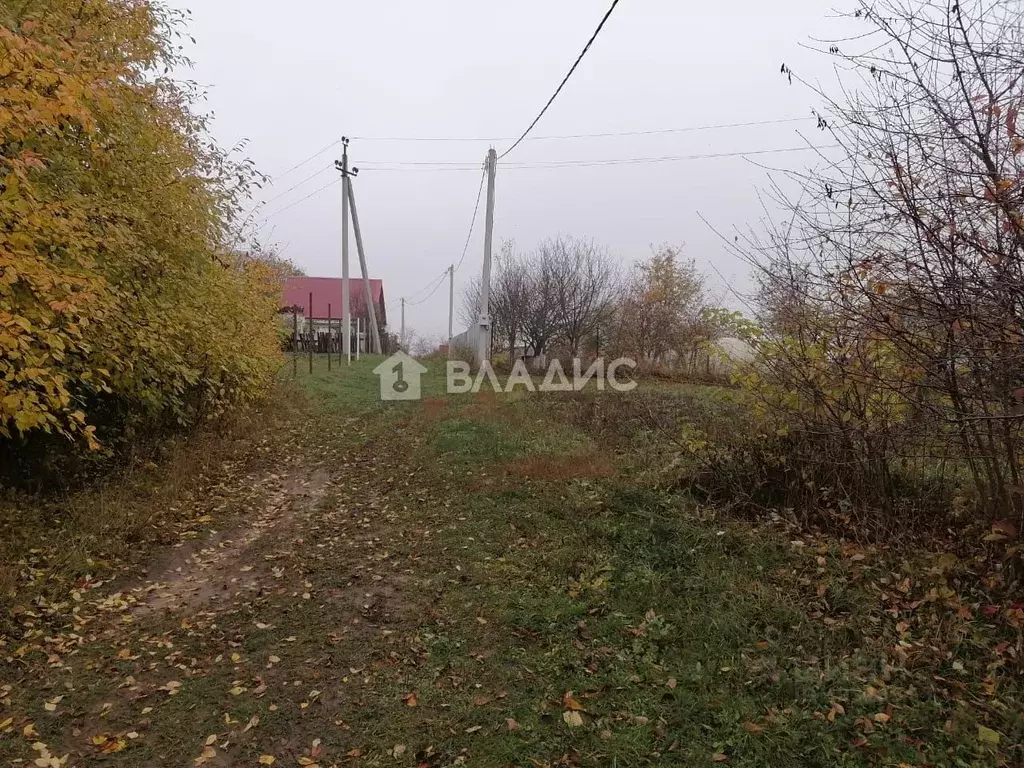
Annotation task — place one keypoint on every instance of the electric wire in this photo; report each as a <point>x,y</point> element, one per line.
<point>427,287</point>
<point>465,250</point>
<point>314,193</point>
<point>292,189</point>
<point>564,80</point>
<point>472,224</point>
<point>382,165</point>
<point>612,134</point>
<point>542,165</point>
<point>430,295</point>
<point>606,135</point>
<point>309,159</point>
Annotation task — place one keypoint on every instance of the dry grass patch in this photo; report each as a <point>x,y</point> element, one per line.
<point>590,465</point>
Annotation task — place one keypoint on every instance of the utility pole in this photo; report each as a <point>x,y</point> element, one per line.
<point>484,341</point>
<point>451,307</point>
<point>346,309</point>
<point>370,308</point>
<point>295,342</point>
<point>401,339</point>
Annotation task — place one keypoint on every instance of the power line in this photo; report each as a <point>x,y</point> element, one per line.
<point>382,165</point>
<point>435,284</point>
<point>430,295</point>
<point>398,166</point>
<point>564,80</point>
<point>309,159</point>
<point>472,224</point>
<point>612,134</point>
<point>427,287</point>
<point>432,284</point>
<point>297,202</point>
<point>292,189</point>
<point>664,159</point>
<point>654,132</point>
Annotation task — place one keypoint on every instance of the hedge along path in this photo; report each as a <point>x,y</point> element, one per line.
<point>120,288</point>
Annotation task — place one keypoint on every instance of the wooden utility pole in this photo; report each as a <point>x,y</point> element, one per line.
<point>451,307</point>
<point>370,308</point>
<point>484,341</point>
<point>401,339</point>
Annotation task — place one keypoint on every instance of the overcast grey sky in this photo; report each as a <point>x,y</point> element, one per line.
<point>293,77</point>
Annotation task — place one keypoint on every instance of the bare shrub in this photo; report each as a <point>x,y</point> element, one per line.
<point>892,300</point>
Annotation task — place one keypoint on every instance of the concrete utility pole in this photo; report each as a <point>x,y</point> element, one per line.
<point>451,307</point>
<point>401,339</point>
<point>346,309</point>
<point>370,308</point>
<point>484,342</point>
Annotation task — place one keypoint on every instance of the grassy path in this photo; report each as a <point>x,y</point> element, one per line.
<point>471,582</point>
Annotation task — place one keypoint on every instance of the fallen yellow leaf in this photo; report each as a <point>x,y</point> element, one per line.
<point>987,735</point>
<point>113,746</point>
<point>572,718</point>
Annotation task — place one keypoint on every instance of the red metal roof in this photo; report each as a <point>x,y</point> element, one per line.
<point>328,290</point>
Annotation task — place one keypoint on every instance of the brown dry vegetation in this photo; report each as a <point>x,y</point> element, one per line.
<point>592,465</point>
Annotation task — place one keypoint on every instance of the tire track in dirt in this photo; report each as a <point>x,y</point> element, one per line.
<point>221,567</point>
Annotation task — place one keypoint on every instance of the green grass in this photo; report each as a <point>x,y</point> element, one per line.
<point>690,637</point>
<point>451,567</point>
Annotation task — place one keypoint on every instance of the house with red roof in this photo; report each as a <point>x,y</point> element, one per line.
<point>318,325</point>
<point>326,293</point>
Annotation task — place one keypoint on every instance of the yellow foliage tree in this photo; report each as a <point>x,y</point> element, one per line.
<point>120,295</point>
<point>660,311</point>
